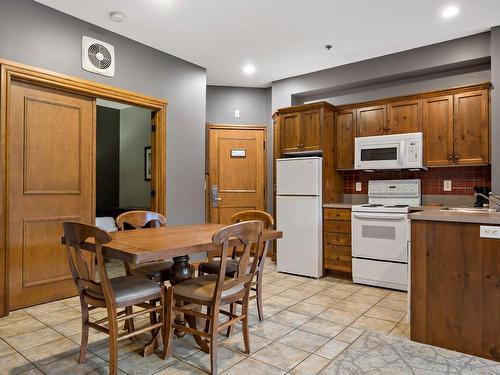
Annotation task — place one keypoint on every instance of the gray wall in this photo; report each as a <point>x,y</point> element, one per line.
<point>33,34</point>
<point>135,134</point>
<point>254,105</point>
<point>436,81</point>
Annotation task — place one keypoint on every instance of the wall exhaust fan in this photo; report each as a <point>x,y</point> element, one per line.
<point>98,57</point>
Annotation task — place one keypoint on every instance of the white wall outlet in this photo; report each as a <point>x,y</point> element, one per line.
<point>358,186</point>
<point>447,185</point>
<point>236,113</point>
<point>486,231</point>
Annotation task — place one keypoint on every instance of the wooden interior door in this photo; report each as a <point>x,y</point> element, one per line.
<point>371,120</point>
<point>346,125</point>
<point>310,130</point>
<point>404,116</point>
<point>471,129</point>
<point>290,132</point>
<point>438,130</point>
<point>237,165</point>
<point>50,176</point>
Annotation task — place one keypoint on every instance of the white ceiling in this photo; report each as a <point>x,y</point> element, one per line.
<point>283,38</point>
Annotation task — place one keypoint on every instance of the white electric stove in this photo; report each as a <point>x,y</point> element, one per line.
<point>381,233</point>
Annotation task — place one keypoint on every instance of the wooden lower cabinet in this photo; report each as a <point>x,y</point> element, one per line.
<point>455,288</point>
<point>337,240</point>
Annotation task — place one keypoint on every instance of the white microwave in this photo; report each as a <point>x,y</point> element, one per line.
<point>398,151</point>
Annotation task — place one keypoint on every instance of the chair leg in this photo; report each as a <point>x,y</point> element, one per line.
<point>163,319</point>
<point>152,315</point>
<point>167,323</point>
<point>214,324</point>
<point>129,325</point>
<point>258,292</point>
<point>207,322</point>
<point>244,322</point>
<point>113,342</point>
<point>232,311</point>
<point>85,331</point>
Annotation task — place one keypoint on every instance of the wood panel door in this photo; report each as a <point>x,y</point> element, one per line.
<point>290,132</point>
<point>50,176</point>
<point>437,115</point>
<point>471,128</point>
<point>371,120</point>
<point>237,164</point>
<point>346,129</point>
<point>404,116</point>
<point>310,130</point>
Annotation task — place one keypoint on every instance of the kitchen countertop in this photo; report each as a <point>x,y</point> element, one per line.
<point>338,205</point>
<point>435,214</point>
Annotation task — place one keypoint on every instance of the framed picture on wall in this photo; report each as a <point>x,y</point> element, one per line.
<point>147,163</point>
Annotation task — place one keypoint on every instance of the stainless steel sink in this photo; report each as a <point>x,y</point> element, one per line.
<point>470,210</point>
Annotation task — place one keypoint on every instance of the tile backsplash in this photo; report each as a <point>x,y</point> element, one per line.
<point>463,179</point>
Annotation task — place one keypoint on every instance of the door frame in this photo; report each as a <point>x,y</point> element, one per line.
<point>211,126</point>
<point>9,71</point>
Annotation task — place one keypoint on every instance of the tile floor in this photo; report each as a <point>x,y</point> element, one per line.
<point>308,323</point>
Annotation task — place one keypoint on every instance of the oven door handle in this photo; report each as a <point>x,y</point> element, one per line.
<point>378,217</point>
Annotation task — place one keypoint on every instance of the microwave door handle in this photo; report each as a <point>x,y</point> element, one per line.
<point>378,217</point>
<point>402,160</point>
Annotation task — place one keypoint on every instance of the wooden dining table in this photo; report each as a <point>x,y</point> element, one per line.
<point>170,242</point>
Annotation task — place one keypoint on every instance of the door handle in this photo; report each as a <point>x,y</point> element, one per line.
<point>214,193</point>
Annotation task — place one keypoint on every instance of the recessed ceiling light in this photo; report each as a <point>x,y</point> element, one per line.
<point>249,69</point>
<point>118,17</point>
<point>449,12</point>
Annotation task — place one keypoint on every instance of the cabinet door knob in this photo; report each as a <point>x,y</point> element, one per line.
<point>450,158</point>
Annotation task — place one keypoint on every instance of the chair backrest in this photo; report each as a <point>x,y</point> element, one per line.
<point>242,216</point>
<point>249,234</point>
<point>248,215</point>
<point>74,235</point>
<point>139,219</point>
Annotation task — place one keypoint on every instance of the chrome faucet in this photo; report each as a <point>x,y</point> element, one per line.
<point>492,199</point>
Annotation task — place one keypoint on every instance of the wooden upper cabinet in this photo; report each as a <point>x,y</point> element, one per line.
<point>404,116</point>
<point>290,132</point>
<point>471,129</point>
<point>437,115</point>
<point>346,130</point>
<point>371,120</point>
<point>310,130</point>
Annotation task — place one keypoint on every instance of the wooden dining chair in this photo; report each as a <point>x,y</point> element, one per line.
<point>217,290</point>
<point>212,266</point>
<point>113,294</point>
<point>157,271</point>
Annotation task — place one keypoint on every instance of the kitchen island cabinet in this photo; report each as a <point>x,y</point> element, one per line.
<point>455,283</point>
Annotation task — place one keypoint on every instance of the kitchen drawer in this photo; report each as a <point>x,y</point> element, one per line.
<point>337,214</point>
<point>337,226</point>
<point>343,239</point>
<point>337,258</point>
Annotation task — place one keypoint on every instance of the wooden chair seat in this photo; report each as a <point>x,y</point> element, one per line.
<point>158,271</point>
<point>129,290</point>
<point>202,289</point>
<point>212,267</point>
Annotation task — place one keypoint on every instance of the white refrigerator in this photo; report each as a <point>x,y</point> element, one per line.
<point>299,216</point>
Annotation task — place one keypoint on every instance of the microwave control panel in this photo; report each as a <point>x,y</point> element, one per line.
<point>413,152</point>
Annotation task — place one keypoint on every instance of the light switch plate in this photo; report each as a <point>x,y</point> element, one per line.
<point>236,113</point>
<point>487,231</point>
<point>358,186</point>
<point>447,185</point>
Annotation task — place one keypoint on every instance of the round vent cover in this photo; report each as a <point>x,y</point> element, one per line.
<point>99,56</point>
